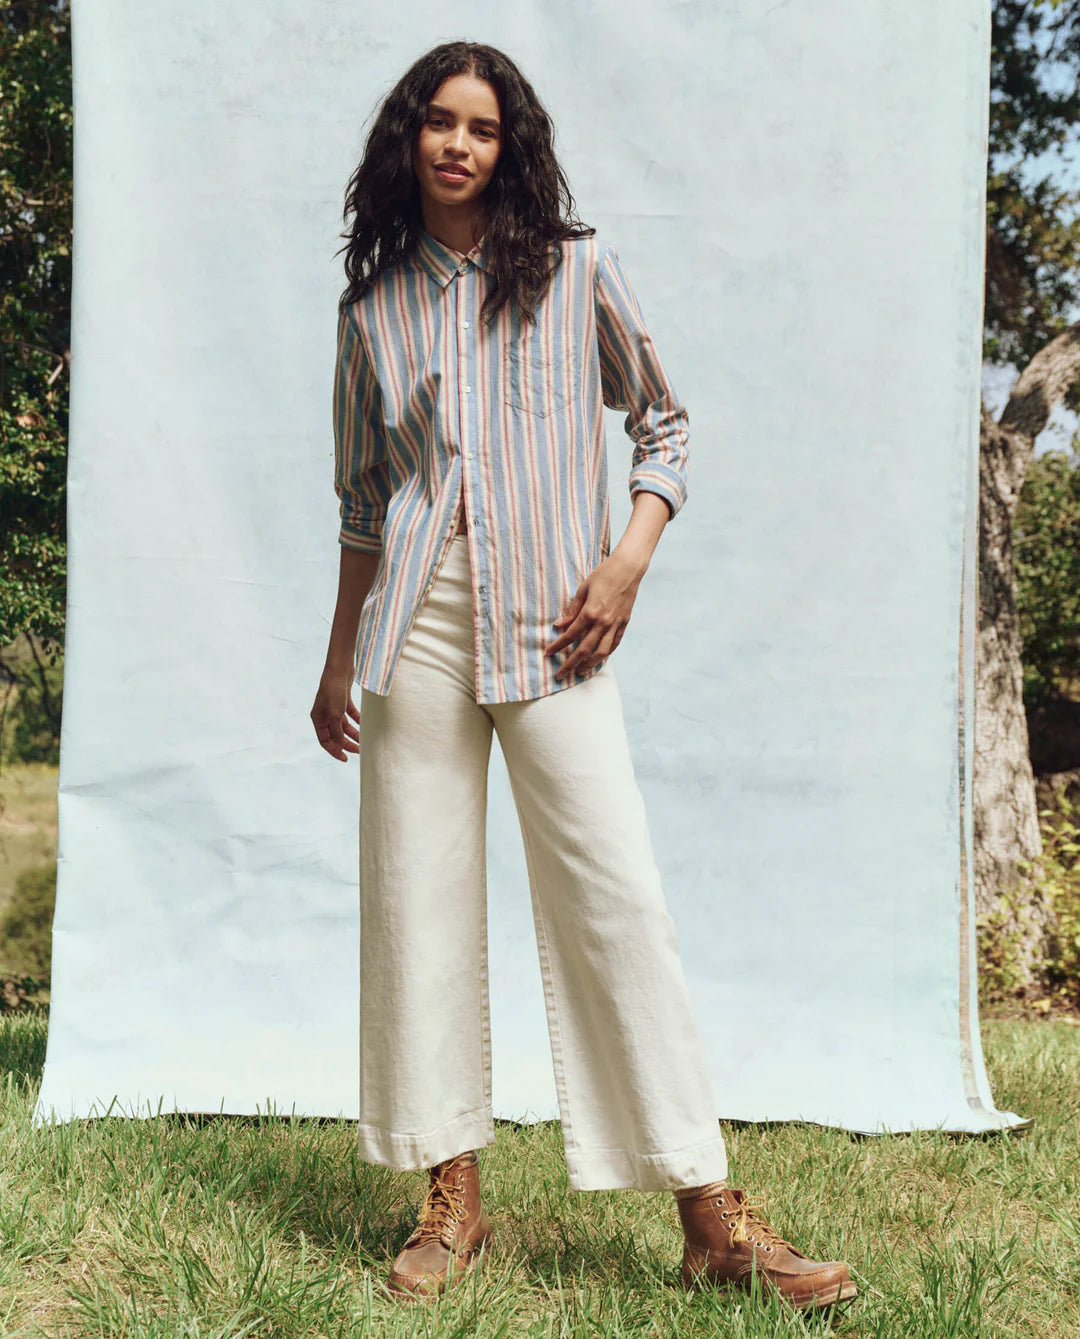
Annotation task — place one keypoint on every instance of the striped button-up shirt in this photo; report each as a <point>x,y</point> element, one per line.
<point>433,410</point>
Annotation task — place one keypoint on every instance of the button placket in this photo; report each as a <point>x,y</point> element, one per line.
<point>467,364</point>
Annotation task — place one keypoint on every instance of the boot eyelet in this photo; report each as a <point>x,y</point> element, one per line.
<point>725,1213</point>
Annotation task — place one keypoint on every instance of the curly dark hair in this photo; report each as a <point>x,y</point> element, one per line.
<point>524,199</point>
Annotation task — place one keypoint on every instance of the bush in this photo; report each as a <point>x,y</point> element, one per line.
<point>1046,547</point>
<point>26,928</point>
<point>1060,878</point>
<point>1054,879</point>
<point>1001,936</point>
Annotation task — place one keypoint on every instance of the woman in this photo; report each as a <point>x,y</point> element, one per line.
<point>479,338</point>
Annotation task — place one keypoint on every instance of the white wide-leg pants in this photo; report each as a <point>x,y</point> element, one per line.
<point>635,1103</point>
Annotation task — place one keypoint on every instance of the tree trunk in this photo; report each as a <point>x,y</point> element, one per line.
<point>1004,813</point>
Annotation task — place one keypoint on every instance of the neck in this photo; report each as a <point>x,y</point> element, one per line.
<point>458,231</point>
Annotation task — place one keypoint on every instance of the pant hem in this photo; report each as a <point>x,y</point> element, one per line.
<point>409,1152</point>
<point>623,1168</point>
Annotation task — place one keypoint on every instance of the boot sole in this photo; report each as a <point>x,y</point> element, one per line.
<point>821,1298</point>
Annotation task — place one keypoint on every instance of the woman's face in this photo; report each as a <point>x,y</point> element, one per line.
<point>463,129</point>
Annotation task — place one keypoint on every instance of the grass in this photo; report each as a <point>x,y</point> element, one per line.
<point>225,1227</point>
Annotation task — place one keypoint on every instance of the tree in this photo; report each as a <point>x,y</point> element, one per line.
<point>35,301</point>
<point>1032,274</point>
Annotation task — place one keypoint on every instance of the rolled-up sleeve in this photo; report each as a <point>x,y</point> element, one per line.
<point>633,378</point>
<point>361,477</point>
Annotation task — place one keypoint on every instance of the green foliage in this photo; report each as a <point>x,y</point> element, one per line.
<point>1032,280</point>
<point>1054,880</point>
<point>1046,547</point>
<point>1057,872</point>
<point>26,927</point>
<point>1003,975</point>
<point>35,299</point>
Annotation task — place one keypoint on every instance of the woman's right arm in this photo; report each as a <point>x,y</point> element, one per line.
<point>363,485</point>
<point>356,574</point>
<point>333,702</point>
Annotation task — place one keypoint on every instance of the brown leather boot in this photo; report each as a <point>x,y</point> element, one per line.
<point>451,1217</point>
<point>724,1233</point>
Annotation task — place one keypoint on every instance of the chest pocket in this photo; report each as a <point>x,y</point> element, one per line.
<point>538,379</point>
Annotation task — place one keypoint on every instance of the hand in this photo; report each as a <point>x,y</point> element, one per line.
<point>597,613</point>
<point>330,716</point>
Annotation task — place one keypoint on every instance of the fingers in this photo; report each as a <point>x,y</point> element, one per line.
<point>566,639</point>
<point>337,734</point>
<point>569,633</point>
<point>334,742</point>
<point>339,747</point>
<point>583,623</point>
<point>593,649</point>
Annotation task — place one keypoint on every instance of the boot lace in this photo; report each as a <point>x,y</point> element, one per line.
<point>749,1224</point>
<point>443,1206</point>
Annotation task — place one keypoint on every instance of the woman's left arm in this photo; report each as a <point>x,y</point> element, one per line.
<point>632,378</point>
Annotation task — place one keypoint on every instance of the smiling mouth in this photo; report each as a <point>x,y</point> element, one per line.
<point>451,171</point>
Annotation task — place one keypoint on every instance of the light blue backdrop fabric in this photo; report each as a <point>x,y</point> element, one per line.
<point>797,194</point>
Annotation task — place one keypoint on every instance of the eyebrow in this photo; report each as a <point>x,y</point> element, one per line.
<point>483,120</point>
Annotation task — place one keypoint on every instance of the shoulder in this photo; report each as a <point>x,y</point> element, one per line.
<point>374,296</point>
<point>358,323</point>
<point>384,290</point>
<point>588,255</point>
<point>371,315</point>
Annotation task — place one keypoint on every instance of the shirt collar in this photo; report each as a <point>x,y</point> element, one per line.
<point>442,261</point>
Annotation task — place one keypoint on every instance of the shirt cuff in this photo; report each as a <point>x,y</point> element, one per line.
<point>655,477</point>
<point>360,540</point>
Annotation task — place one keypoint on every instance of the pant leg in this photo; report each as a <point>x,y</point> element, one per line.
<point>425,1036</point>
<point>635,1100</point>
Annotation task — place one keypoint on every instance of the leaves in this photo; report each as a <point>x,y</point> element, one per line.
<point>1046,550</point>
<point>35,300</point>
<point>1032,224</point>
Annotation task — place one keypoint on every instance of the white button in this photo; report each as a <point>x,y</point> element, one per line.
<point>464,325</point>
<point>468,389</point>
<point>467,455</point>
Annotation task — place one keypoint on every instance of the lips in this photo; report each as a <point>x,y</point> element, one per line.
<point>451,169</point>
